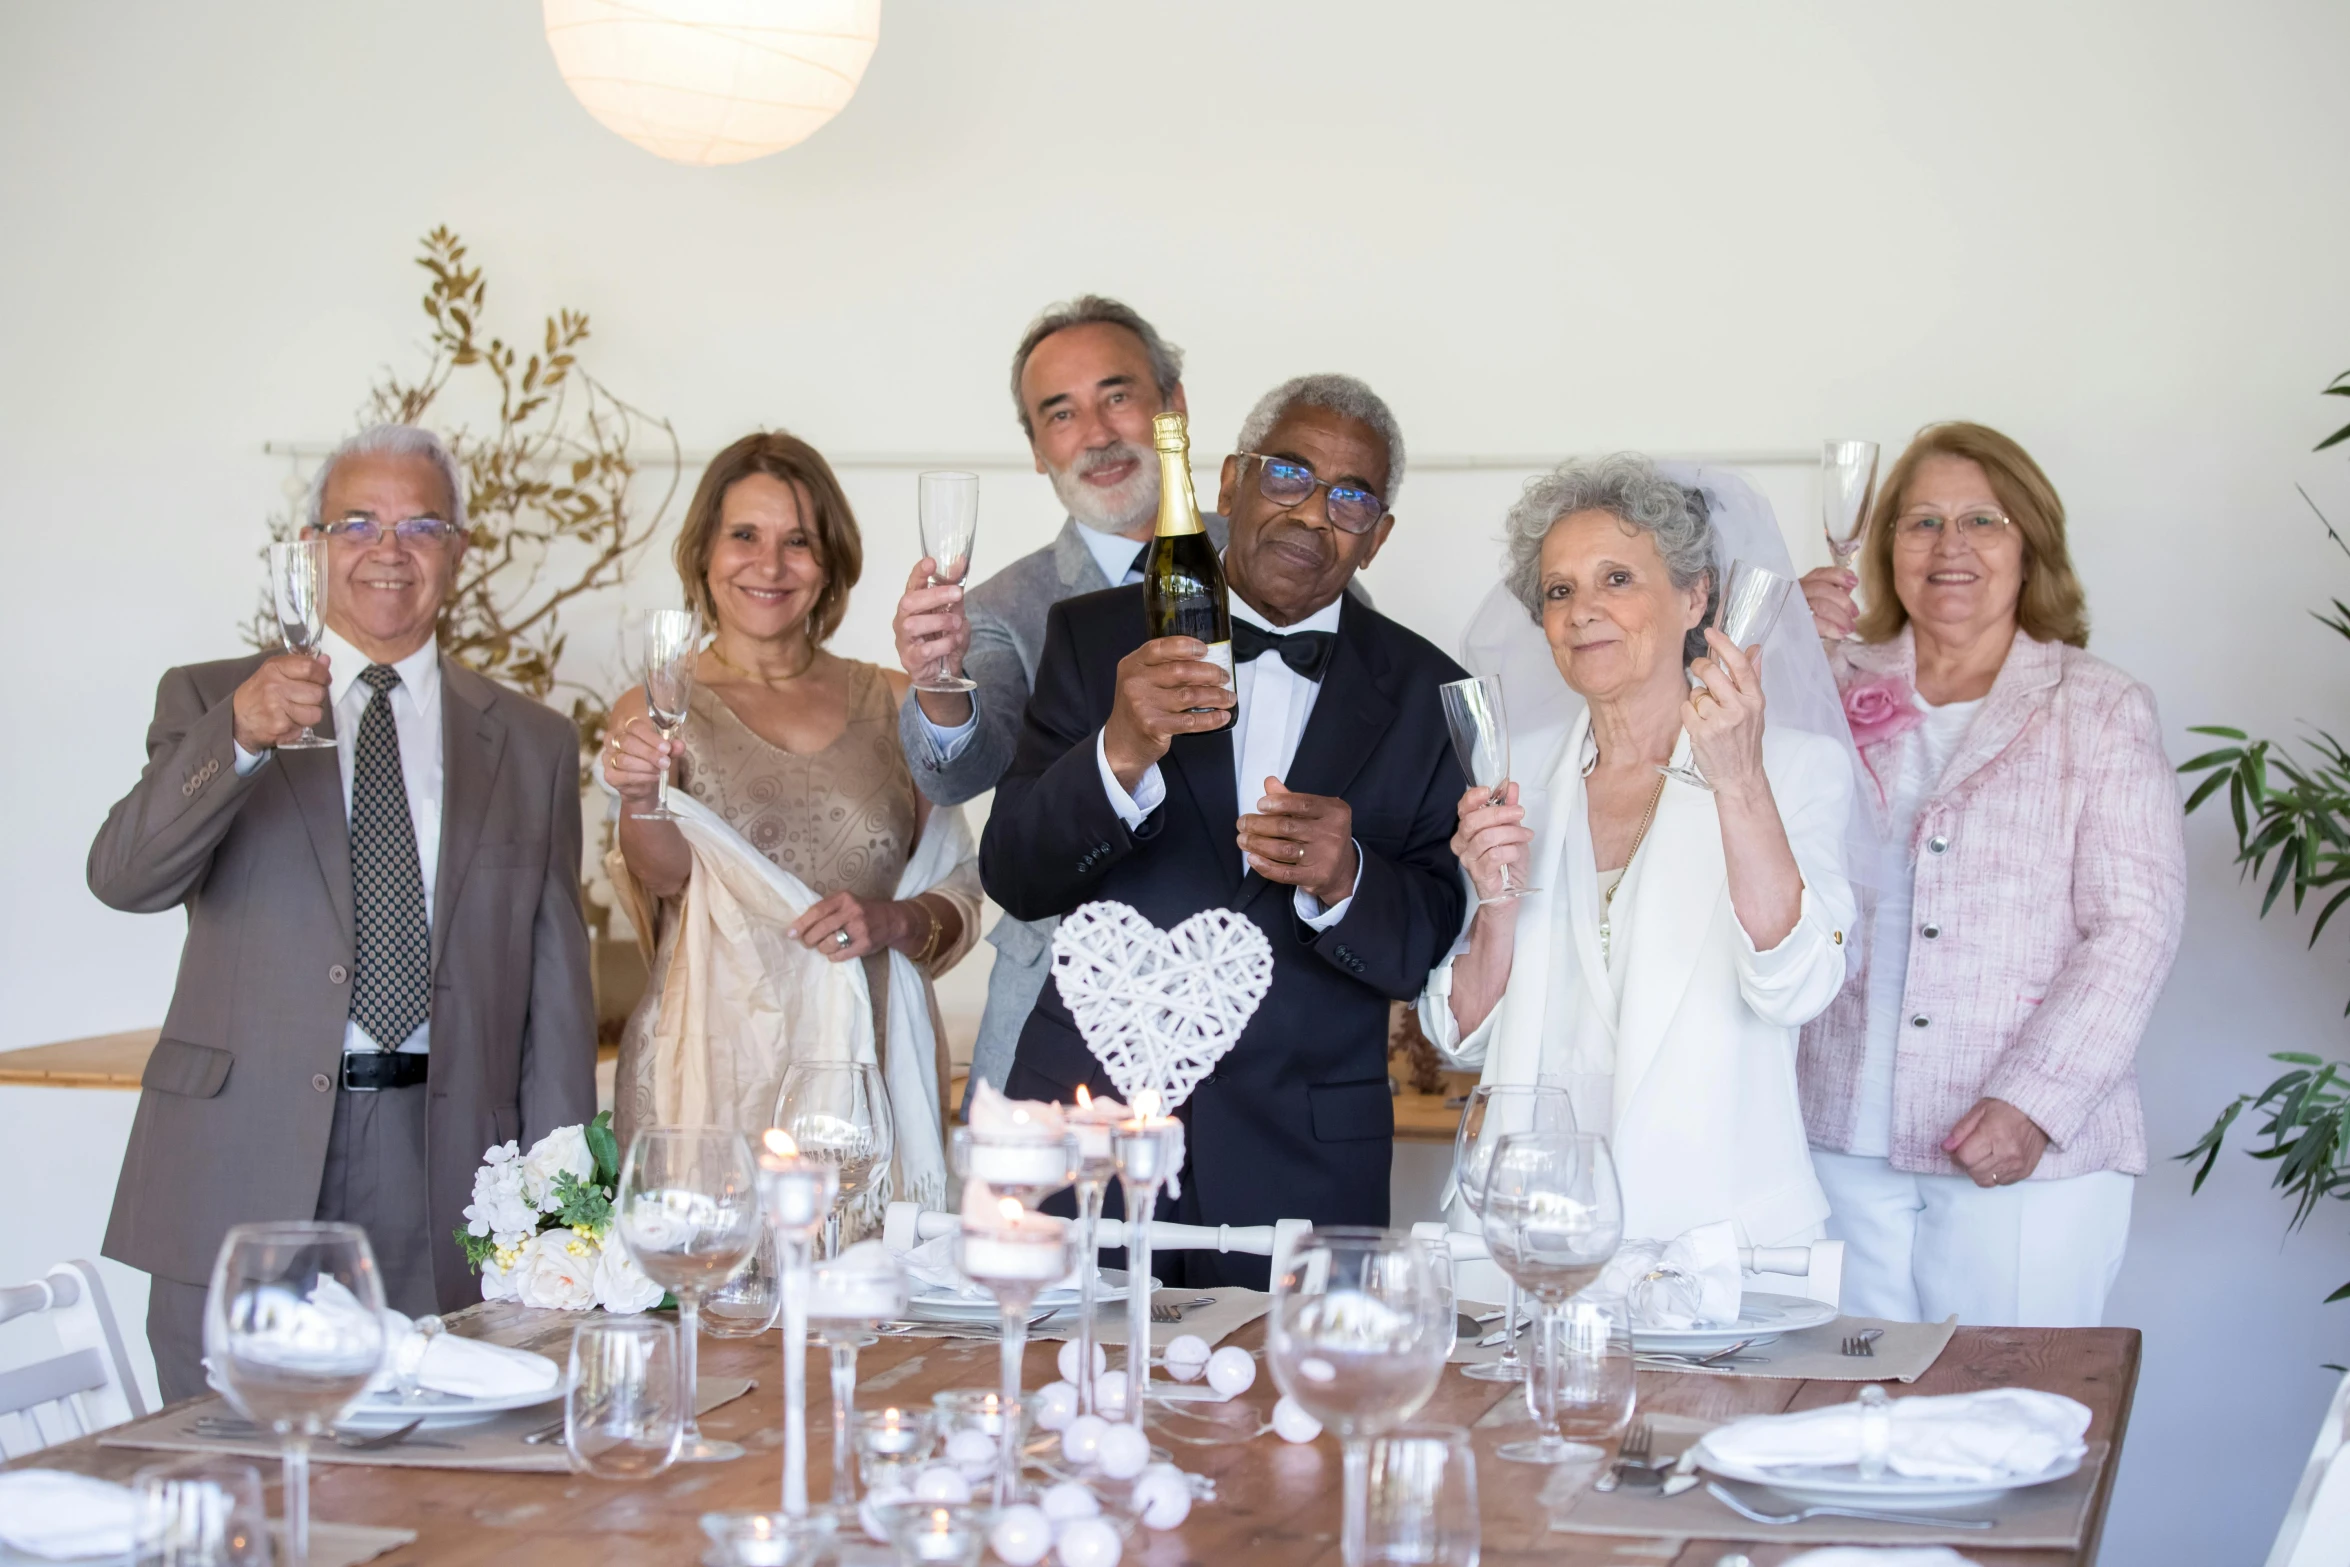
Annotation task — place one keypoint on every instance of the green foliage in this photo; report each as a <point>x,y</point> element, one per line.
<point>604,1148</point>
<point>2289,811</point>
<point>477,1248</point>
<point>580,1205</point>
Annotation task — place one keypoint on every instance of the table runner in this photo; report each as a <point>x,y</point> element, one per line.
<point>495,1444</point>
<point>2051,1516</point>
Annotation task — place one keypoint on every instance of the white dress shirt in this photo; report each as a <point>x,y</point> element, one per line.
<point>1114,553</point>
<point>416,715</point>
<point>1275,702</point>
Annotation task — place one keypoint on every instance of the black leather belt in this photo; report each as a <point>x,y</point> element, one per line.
<point>366,1071</point>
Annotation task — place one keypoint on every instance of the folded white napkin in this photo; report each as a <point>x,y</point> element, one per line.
<point>2001,1433</point>
<point>60,1516</point>
<point>1691,1281</point>
<point>462,1367</point>
<point>930,1267</point>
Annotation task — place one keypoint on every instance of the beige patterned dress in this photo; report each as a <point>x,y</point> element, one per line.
<point>842,819</point>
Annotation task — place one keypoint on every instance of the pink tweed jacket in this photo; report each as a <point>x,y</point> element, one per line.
<point>2050,887</point>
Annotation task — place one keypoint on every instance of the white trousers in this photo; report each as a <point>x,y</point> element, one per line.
<point>1919,1248</point>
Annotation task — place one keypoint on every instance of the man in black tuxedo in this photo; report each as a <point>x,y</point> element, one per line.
<point>1127,786</point>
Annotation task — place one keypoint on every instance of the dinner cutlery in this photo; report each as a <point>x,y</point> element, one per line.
<point>1632,1453</point>
<point>1722,1495</point>
<point>1726,1355</point>
<point>349,1441</point>
<point>1863,1342</point>
<point>1173,1310</point>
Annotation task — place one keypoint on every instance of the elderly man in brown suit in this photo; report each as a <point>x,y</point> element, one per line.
<point>386,971</point>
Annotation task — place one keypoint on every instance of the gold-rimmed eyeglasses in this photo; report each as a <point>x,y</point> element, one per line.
<point>366,532</point>
<point>1975,524</point>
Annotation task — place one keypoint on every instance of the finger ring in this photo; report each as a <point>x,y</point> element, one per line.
<point>840,938</point>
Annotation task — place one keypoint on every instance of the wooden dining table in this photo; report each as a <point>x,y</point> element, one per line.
<point>1276,1505</point>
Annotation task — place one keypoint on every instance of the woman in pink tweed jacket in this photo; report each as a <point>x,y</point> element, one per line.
<point>1970,1094</point>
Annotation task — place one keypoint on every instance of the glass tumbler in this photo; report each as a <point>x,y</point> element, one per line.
<point>201,1512</point>
<point>1423,1496</point>
<point>1580,1384</point>
<point>625,1414</point>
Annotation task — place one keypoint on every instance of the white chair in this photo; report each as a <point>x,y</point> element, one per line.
<point>1815,1272</point>
<point>2316,1530</point>
<point>87,1388</point>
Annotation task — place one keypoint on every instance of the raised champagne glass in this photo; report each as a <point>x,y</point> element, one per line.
<point>297,592</point>
<point>950,517</point>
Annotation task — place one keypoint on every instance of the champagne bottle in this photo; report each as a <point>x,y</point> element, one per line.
<point>1183,591</point>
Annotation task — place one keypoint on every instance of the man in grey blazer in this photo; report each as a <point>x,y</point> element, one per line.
<point>1086,379</point>
<point>386,971</point>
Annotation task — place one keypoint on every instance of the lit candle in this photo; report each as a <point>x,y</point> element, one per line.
<point>797,1192</point>
<point>1092,1120</point>
<point>1004,1242</point>
<point>1016,1145</point>
<point>1148,1145</point>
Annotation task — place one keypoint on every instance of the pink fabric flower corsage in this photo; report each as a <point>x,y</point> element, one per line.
<point>1880,709</point>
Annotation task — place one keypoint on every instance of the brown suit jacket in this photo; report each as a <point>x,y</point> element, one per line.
<point>238,1098</point>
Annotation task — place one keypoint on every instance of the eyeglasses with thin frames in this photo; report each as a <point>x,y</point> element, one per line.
<point>1976,524</point>
<point>1286,483</point>
<point>366,532</point>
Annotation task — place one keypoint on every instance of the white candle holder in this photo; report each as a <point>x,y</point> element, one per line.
<point>845,1300</point>
<point>1147,1150</point>
<point>1092,1126</point>
<point>1016,1258</point>
<point>797,1194</point>
<point>1026,1165</point>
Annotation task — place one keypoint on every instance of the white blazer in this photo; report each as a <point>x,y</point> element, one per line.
<point>1706,1125</point>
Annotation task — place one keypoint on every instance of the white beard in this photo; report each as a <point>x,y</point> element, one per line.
<point>1109,511</point>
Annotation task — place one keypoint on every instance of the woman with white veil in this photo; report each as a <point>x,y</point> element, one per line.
<point>1678,936</point>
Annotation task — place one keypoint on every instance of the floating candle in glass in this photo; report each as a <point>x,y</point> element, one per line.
<point>1015,1255</point>
<point>1149,1150</point>
<point>797,1195</point>
<point>1019,1147</point>
<point>1093,1123</point>
<point>846,1296</point>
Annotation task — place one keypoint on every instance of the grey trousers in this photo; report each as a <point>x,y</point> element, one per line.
<point>374,1178</point>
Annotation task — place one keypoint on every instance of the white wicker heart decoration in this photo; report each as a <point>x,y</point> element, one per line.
<point>1160,1008</point>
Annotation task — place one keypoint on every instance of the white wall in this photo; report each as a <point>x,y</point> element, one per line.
<point>2114,229</point>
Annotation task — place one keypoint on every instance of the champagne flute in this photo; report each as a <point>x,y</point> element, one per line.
<point>1554,1216</point>
<point>293,1328</point>
<point>1493,1112</point>
<point>1481,738</point>
<point>950,515</point>
<point>1848,477</point>
<point>1353,1339</point>
<point>297,593</point>
<point>673,640</point>
<point>1752,599</point>
<point>688,1212</point>
<point>838,1112</point>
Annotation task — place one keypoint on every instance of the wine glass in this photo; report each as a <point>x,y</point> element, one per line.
<point>1353,1339</point>
<point>1493,1112</point>
<point>1752,598</point>
<point>297,594</point>
<point>1554,1216</point>
<point>1481,738</point>
<point>950,515</point>
<point>1848,476</point>
<point>838,1112</point>
<point>672,641</point>
<point>293,1328</point>
<point>688,1212</point>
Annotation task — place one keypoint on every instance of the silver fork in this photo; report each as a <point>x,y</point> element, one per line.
<point>1925,1521</point>
<point>1727,1353</point>
<point>1173,1310</point>
<point>1863,1342</point>
<point>1632,1452</point>
<point>348,1441</point>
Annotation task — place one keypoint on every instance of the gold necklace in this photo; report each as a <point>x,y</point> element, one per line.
<point>1639,836</point>
<point>769,681</point>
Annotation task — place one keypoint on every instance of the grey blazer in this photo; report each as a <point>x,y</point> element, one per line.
<point>238,1098</point>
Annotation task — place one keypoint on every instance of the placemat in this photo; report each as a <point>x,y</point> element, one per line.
<point>331,1545</point>
<point>1233,1308</point>
<point>2044,1517</point>
<point>492,1444</point>
<point>1905,1351</point>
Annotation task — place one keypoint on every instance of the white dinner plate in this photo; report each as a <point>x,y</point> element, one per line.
<point>389,1411</point>
<point>1760,1318</point>
<point>924,1306</point>
<point>1840,1485</point>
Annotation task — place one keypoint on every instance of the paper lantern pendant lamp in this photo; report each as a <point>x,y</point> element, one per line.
<point>713,81</point>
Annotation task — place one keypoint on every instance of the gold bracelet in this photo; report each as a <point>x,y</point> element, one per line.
<point>930,942</point>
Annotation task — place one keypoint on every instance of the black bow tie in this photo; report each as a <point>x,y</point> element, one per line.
<point>1307,652</point>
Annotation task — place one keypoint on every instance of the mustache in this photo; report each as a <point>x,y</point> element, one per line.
<point>1095,459</point>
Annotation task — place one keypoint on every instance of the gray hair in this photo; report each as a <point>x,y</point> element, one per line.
<point>391,440</point>
<point>1628,488</point>
<point>1086,310</point>
<point>1340,394</point>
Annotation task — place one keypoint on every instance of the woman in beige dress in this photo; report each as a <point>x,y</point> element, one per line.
<point>794,752</point>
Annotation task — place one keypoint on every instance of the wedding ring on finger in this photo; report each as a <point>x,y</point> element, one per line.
<point>841,939</point>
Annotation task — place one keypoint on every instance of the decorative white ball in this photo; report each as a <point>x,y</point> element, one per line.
<point>973,1452</point>
<point>1022,1535</point>
<point>880,1496</point>
<point>938,1483</point>
<point>1068,1361</point>
<point>1162,1496</point>
<point>1123,1452</point>
<point>1081,1439</point>
<point>1231,1371</point>
<point>1109,1393</point>
<point>1186,1357</point>
<point>1088,1542</point>
<point>1293,1424</point>
<point>1056,1406</point>
<point>1067,1499</point>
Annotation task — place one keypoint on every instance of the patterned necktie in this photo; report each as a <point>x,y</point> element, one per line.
<point>391,981</point>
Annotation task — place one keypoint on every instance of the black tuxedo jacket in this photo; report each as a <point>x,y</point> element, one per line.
<point>1295,1122</point>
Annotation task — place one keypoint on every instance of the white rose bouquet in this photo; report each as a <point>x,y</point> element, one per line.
<point>539,1228</point>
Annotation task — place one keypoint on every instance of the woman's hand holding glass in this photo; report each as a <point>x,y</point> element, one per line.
<point>1724,715</point>
<point>635,758</point>
<point>1492,839</point>
<point>1828,592</point>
